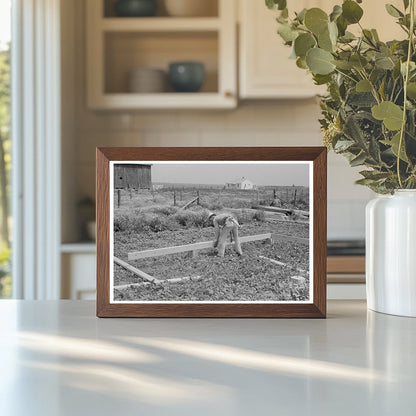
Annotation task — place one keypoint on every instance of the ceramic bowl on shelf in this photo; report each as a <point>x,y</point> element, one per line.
<point>135,8</point>
<point>186,76</point>
<point>191,8</point>
<point>147,81</point>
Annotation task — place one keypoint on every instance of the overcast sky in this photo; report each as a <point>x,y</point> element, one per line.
<point>261,174</point>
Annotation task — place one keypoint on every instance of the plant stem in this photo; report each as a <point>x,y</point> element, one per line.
<point>346,75</point>
<point>406,80</point>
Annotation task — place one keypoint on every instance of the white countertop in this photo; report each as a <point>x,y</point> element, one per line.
<point>56,358</point>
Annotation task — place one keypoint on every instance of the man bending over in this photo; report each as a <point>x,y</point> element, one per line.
<point>225,225</point>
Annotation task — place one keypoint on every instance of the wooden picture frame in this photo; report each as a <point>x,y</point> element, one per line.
<point>313,307</point>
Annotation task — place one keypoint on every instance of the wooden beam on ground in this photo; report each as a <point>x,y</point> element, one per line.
<point>190,203</point>
<point>282,210</point>
<point>287,221</point>
<point>301,240</point>
<point>279,263</point>
<point>191,247</point>
<point>137,272</point>
<point>159,282</point>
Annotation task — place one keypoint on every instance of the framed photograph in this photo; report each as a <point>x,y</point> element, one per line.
<point>211,232</point>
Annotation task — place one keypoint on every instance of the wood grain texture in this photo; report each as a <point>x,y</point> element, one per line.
<point>317,309</point>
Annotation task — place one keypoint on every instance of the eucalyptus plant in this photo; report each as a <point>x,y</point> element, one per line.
<point>369,111</point>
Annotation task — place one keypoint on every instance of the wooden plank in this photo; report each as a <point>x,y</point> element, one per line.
<point>191,247</point>
<point>282,210</point>
<point>137,272</point>
<point>190,203</point>
<point>279,263</point>
<point>301,240</point>
<point>175,280</point>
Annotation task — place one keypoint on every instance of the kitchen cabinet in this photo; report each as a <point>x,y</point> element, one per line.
<point>78,263</point>
<point>265,69</point>
<point>118,45</point>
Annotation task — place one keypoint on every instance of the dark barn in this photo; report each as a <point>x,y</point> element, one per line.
<point>132,176</point>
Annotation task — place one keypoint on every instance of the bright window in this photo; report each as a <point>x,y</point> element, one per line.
<point>5,145</point>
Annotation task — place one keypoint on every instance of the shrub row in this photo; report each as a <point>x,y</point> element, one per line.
<point>168,218</point>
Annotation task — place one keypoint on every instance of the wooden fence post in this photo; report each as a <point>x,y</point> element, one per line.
<point>118,198</point>
<point>197,194</point>
<point>294,197</point>
<point>174,197</point>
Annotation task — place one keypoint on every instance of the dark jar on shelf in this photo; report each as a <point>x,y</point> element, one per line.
<point>135,8</point>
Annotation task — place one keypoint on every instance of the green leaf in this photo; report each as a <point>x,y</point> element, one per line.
<point>374,151</point>
<point>344,65</point>
<point>333,32</point>
<point>368,36</point>
<point>354,132</point>
<point>388,112</point>
<point>363,86</point>
<point>384,62</point>
<point>301,63</point>
<point>303,43</point>
<point>412,67</point>
<point>393,11</point>
<point>375,35</point>
<point>358,61</point>
<point>325,42</point>
<point>301,15</point>
<point>394,145</point>
<point>374,175</point>
<point>351,11</point>
<point>287,33</point>
<point>411,90</point>
<point>276,4</point>
<point>347,37</point>
<point>365,182</point>
<point>406,4</point>
<point>320,61</point>
<point>358,160</point>
<point>316,20</point>
<point>343,145</point>
<point>336,12</point>
<point>342,25</point>
<point>321,79</point>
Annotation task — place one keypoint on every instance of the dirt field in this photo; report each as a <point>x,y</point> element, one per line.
<point>146,220</point>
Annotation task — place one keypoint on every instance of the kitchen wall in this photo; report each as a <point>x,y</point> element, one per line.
<point>253,123</point>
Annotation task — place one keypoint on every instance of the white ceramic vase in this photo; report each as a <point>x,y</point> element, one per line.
<point>391,253</point>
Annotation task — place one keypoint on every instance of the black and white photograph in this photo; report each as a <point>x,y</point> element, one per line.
<point>211,232</point>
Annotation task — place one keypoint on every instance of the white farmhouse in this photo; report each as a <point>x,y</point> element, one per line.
<point>241,183</point>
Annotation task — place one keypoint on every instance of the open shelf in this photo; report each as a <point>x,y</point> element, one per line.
<point>160,24</point>
<point>168,100</point>
<point>211,9</point>
<point>126,51</point>
<point>119,45</point>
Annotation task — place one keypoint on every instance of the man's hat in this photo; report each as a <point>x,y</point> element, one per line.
<point>211,214</point>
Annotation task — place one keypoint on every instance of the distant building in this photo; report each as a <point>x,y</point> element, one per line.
<point>241,183</point>
<point>133,176</point>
